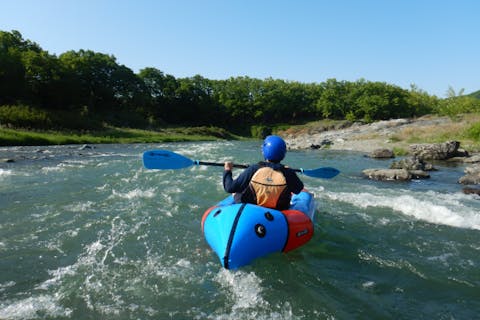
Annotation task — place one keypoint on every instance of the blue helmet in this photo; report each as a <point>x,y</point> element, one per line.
<point>274,148</point>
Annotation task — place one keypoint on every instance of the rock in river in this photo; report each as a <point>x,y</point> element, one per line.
<point>395,174</point>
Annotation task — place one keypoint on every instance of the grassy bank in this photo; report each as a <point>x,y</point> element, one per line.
<point>22,137</point>
<point>463,128</point>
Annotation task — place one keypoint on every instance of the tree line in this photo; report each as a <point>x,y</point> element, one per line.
<point>87,90</point>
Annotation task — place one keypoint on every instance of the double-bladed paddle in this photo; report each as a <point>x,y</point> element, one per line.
<point>165,159</point>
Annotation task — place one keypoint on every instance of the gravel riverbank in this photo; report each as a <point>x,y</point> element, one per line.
<point>364,137</point>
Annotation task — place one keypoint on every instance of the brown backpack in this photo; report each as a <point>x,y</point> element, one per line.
<point>269,188</point>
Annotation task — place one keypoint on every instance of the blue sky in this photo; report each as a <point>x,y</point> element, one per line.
<point>430,43</point>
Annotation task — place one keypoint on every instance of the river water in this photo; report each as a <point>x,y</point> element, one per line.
<point>91,234</point>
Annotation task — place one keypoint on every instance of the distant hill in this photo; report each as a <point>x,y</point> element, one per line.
<point>475,94</point>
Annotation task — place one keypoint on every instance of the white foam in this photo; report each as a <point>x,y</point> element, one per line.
<point>443,258</point>
<point>386,263</point>
<point>368,284</point>
<point>57,276</point>
<point>191,150</point>
<point>443,209</point>
<point>28,308</point>
<point>134,194</point>
<point>53,169</point>
<point>80,206</point>
<point>169,270</point>
<point>5,285</point>
<point>245,291</point>
<point>5,173</point>
<point>77,163</point>
<point>61,167</point>
<point>244,288</point>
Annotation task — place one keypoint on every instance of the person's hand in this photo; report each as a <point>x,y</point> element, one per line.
<point>228,165</point>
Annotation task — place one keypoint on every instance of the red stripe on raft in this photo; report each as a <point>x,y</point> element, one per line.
<point>206,214</point>
<point>300,229</point>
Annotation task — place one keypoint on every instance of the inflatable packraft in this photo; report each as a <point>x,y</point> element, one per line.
<point>241,232</point>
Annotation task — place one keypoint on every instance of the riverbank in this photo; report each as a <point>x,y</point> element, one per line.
<point>22,137</point>
<point>395,134</point>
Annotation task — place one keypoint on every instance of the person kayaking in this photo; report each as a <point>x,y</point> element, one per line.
<point>267,183</point>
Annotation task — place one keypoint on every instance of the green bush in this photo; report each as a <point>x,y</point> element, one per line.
<point>457,105</point>
<point>205,131</point>
<point>260,132</point>
<point>474,132</point>
<point>75,120</point>
<point>24,116</point>
<point>27,117</point>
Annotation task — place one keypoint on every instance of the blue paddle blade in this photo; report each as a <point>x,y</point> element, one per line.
<point>164,159</point>
<point>324,172</point>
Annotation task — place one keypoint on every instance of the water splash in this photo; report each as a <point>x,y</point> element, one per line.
<point>430,206</point>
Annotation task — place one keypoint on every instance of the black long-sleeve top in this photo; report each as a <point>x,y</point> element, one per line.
<point>240,184</point>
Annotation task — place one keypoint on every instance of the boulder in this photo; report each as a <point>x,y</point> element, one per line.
<point>419,174</point>
<point>462,153</point>
<point>412,163</point>
<point>324,143</point>
<point>86,146</point>
<point>472,169</point>
<point>435,151</point>
<point>472,175</point>
<point>382,154</point>
<point>388,174</point>
<point>464,156</point>
<point>395,174</point>
<point>471,191</point>
<point>473,159</point>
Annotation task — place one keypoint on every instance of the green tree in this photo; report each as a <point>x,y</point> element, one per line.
<point>420,101</point>
<point>333,101</point>
<point>92,76</point>
<point>381,101</point>
<point>161,91</point>
<point>12,70</point>
<point>237,98</point>
<point>282,101</point>
<point>42,78</point>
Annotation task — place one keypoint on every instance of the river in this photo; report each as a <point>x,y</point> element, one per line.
<point>91,234</point>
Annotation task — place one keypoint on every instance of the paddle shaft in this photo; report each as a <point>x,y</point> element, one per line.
<point>242,166</point>
<point>217,164</point>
